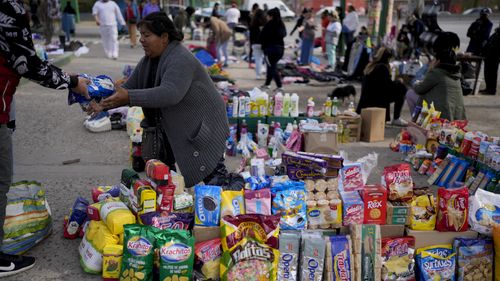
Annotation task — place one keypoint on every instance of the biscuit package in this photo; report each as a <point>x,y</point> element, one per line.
<point>290,203</point>
<point>313,257</point>
<point>352,177</point>
<point>453,206</point>
<point>233,203</point>
<point>375,204</point>
<point>261,228</point>
<point>289,256</point>
<point>207,260</point>
<point>176,253</point>
<point>249,260</point>
<point>164,220</point>
<point>339,260</point>
<point>436,263</point>
<point>474,258</point>
<point>398,181</point>
<point>397,259</point>
<point>423,213</point>
<point>207,205</point>
<point>484,211</point>
<point>258,201</point>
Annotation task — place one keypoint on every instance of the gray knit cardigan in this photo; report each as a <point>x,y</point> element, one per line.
<point>193,112</point>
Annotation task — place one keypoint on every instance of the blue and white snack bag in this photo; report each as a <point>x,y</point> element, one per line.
<point>207,205</point>
<point>100,87</point>
<point>313,257</point>
<point>289,256</point>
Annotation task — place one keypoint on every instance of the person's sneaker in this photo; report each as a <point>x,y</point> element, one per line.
<point>278,90</point>
<point>99,125</point>
<point>399,122</point>
<point>10,264</point>
<point>265,87</point>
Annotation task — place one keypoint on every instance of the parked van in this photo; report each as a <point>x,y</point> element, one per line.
<point>286,13</point>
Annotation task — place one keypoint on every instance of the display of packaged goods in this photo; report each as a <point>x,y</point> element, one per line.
<point>375,204</point>
<point>352,208</point>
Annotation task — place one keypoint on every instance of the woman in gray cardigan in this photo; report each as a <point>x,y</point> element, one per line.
<point>170,79</point>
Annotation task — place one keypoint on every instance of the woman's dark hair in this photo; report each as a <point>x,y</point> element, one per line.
<point>447,56</point>
<point>275,14</point>
<point>259,19</point>
<point>255,6</point>
<point>159,23</point>
<point>382,56</point>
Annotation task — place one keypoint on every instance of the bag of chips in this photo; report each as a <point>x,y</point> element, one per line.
<point>176,250</point>
<point>423,213</point>
<point>138,252</point>
<point>398,181</point>
<point>484,211</point>
<point>290,204</point>
<point>453,206</point>
<point>397,258</point>
<point>264,229</point>
<point>164,220</point>
<point>438,263</point>
<point>233,203</point>
<point>207,260</point>
<point>207,205</point>
<point>474,258</point>
<point>249,259</point>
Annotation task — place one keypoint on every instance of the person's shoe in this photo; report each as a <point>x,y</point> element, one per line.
<point>280,89</point>
<point>10,264</point>
<point>99,125</point>
<point>399,122</point>
<point>265,87</point>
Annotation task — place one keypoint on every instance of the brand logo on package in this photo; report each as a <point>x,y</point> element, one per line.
<point>312,265</point>
<point>374,204</point>
<point>314,213</point>
<point>139,246</point>
<point>354,209</point>
<point>286,259</point>
<point>177,252</point>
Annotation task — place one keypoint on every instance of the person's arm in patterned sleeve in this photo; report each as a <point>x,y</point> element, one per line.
<point>21,55</point>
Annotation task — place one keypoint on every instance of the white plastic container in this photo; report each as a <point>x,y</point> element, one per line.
<point>294,105</point>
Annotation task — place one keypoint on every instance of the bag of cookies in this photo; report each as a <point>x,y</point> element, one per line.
<point>233,203</point>
<point>290,204</point>
<point>475,259</point>
<point>453,206</point>
<point>207,205</point>
<point>423,213</point>
<point>207,260</point>
<point>288,265</point>
<point>339,259</point>
<point>484,211</point>
<point>398,181</point>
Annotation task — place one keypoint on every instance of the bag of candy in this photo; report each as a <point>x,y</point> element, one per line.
<point>398,181</point>
<point>264,229</point>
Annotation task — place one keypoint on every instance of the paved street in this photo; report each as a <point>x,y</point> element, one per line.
<point>50,132</point>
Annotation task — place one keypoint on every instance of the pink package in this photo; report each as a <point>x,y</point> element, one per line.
<point>93,213</point>
<point>352,177</point>
<point>258,201</point>
<point>352,207</point>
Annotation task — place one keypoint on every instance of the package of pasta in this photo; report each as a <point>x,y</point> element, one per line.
<point>176,253</point>
<point>474,259</point>
<point>397,258</point>
<point>264,229</point>
<point>398,181</point>
<point>453,207</point>
<point>207,256</point>
<point>290,204</point>
<point>233,203</point>
<point>249,260</point>
<point>423,213</point>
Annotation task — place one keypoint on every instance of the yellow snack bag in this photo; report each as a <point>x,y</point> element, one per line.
<point>111,261</point>
<point>233,203</point>
<point>423,213</point>
<point>116,214</point>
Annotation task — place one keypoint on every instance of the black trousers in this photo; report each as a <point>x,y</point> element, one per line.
<point>491,74</point>
<point>398,98</point>
<point>273,55</point>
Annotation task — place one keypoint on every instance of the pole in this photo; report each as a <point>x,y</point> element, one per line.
<point>383,19</point>
<point>374,19</point>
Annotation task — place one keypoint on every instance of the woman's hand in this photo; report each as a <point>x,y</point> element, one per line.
<point>120,98</point>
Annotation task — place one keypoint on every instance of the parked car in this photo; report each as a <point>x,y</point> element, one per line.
<point>472,11</point>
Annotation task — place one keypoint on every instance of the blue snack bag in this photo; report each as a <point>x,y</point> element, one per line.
<point>290,202</point>
<point>207,200</point>
<point>100,87</point>
<point>76,218</point>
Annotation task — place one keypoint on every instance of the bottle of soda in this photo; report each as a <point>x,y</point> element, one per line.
<point>137,162</point>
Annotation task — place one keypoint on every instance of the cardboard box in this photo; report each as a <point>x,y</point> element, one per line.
<point>205,233</point>
<point>433,237</point>
<point>321,142</point>
<point>372,124</point>
<point>397,219</point>
<point>390,230</point>
<point>398,208</point>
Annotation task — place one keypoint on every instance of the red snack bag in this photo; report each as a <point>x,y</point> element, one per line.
<point>165,201</point>
<point>375,199</point>
<point>397,179</point>
<point>400,251</point>
<point>207,256</point>
<point>264,229</point>
<point>453,206</point>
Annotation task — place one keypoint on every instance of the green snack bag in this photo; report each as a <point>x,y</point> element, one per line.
<point>176,249</point>
<point>138,252</point>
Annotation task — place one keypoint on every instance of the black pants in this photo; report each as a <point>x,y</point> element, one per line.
<point>491,74</point>
<point>398,98</point>
<point>273,55</point>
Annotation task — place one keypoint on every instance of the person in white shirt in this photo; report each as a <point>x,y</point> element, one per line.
<point>332,35</point>
<point>351,24</point>
<point>232,17</point>
<point>107,15</point>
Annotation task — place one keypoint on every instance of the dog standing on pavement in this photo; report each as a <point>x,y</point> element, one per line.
<point>342,93</point>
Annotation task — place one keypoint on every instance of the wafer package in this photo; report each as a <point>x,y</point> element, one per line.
<point>339,259</point>
<point>288,264</point>
<point>313,257</point>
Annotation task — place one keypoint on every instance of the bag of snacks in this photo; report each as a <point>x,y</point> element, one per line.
<point>423,213</point>
<point>484,211</point>
<point>138,252</point>
<point>453,206</point>
<point>474,258</point>
<point>176,250</point>
<point>352,177</point>
<point>436,262</point>
<point>233,203</point>
<point>397,258</point>
<point>339,258</point>
<point>290,203</point>
<point>313,257</point>
<point>207,205</point>
<point>77,217</point>
<point>258,201</point>
<point>207,260</point>
<point>398,181</point>
<point>249,260</point>
<point>289,256</point>
<point>164,220</point>
<point>264,229</point>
